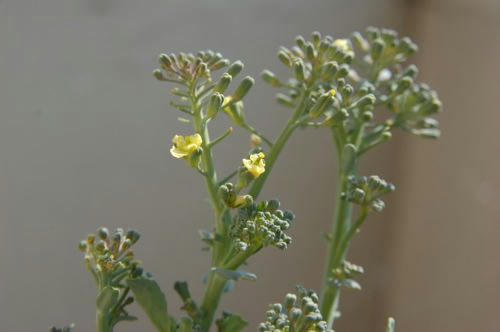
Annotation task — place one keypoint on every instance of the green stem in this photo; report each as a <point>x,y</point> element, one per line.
<point>103,322</point>
<point>278,145</point>
<point>340,225</point>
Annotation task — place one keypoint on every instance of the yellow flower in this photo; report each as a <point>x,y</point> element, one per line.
<point>332,92</point>
<point>185,146</point>
<point>255,164</point>
<point>342,44</point>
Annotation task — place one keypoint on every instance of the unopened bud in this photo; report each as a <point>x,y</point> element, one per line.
<point>270,78</point>
<point>328,70</point>
<point>165,61</point>
<point>284,58</point>
<point>158,75</point>
<point>220,64</point>
<point>103,233</point>
<point>214,104</point>
<point>133,235</point>
<point>298,69</point>
<point>284,100</point>
<point>223,83</point>
<point>235,68</point>
<point>377,48</point>
<point>245,85</point>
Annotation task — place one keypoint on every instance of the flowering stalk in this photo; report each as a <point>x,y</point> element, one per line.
<point>331,86</point>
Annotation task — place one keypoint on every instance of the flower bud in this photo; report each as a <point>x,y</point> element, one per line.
<point>165,61</point>
<point>300,42</point>
<point>214,104</point>
<point>235,68</point>
<point>82,246</point>
<point>223,83</point>
<point>133,235</point>
<point>270,78</point>
<point>220,64</point>
<point>377,48</point>
<point>103,233</point>
<point>310,52</point>
<point>284,58</point>
<point>158,75</point>
<point>328,70</point>
<point>360,41</point>
<point>322,103</point>
<point>284,100</point>
<point>298,69</point>
<point>245,85</point>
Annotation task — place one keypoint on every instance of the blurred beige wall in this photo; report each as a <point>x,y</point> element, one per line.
<point>85,132</point>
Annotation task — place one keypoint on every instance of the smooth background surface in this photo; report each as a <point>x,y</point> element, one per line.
<point>85,132</point>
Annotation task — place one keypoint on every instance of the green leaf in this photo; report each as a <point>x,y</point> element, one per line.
<point>150,297</point>
<point>230,323</point>
<point>235,275</point>
<point>107,299</point>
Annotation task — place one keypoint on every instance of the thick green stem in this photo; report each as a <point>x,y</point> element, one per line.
<point>211,298</point>
<point>103,322</point>
<point>278,145</point>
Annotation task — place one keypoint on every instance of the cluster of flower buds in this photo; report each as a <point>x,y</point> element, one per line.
<point>383,53</point>
<point>412,111</point>
<point>367,190</point>
<point>194,72</point>
<point>260,225</point>
<point>297,313</point>
<point>342,275</point>
<point>316,65</point>
<point>110,257</point>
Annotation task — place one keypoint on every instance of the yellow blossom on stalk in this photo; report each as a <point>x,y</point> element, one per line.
<point>256,164</point>
<point>343,44</point>
<point>185,146</point>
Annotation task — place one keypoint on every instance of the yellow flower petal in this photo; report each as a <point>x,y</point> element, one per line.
<point>255,164</point>
<point>185,146</point>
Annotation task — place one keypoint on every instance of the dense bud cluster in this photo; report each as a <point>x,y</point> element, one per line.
<point>412,110</point>
<point>109,256</point>
<point>297,313</point>
<point>367,190</point>
<point>260,225</point>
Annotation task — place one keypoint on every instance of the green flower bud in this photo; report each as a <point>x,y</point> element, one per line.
<point>223,83</point>
<point>165,61</point>
<point>235,68</point>
<point>194,158</point>
<point>310,52</point>
<point>245,85</point>
<point>343,71</point>
<point>411,71</point>
<point>328,71</point>
<point>323,102</point>
<point>270,78</point>
<point>103,233</point>
<point>316,38</point>
<point>298,69</point>
<point>133,235</point>
<point>214,104</point>
<point>158,75</point>
<point>100,246</point>
<point>220,64</point>
<point>284,58</point>
<point>377,48</point>
<point>360,42</point>
<point>300,42</point>
<point>82,246</point>
<point>285,100</point>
